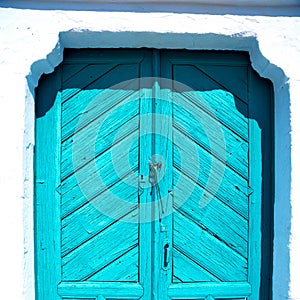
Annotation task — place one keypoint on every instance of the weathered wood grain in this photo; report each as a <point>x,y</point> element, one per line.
<point>211,134</point>
<point>124,268</point>
<point>186,270</point>
<point>105,136</point>
<point>215,250</point>
<point>232,78</point>
<point>217,218</point>
<point>110,290</point>
<point>77,78</point>
<point>204,78</point>
<point>220,290</point>
<point>97,99</point>
<point>71,188</point>
<point>162,145</point>
<point>99,251</point>
<point>89,220</point>
<point>208,251</point>
<point>47,199</point>
<point>227,186</point>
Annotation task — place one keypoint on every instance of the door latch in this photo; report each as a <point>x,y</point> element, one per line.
<point>166,256</point>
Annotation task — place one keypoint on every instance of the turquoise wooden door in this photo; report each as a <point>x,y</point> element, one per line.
<point>153,177</point>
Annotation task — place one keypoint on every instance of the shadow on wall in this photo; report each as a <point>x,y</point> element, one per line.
<point>290,8</point>
<point>128,39</point>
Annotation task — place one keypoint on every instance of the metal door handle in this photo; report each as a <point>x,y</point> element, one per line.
<point>166,256</point>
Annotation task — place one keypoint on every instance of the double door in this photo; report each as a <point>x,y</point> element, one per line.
<point>151,178</point>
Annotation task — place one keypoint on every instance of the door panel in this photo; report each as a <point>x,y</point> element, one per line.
<point>95,247</point>
<point>178,210</point>
<point>100,256</point>
<point>214,227</point>
<point>213,237</point>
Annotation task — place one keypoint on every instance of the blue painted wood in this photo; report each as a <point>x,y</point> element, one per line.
<point>145,193</point>
<point>187,112</point>
<point>201,290</point>
<point>261,182</point>
<point>162,146</point>
<point>100,251</point>
<point>191,272</point>
<point>232,189</point>
<point>125,268</point>
<point>94,247</point>
<point>110,290</point>
<point>105,138</point>
<point>208,251</point>
<point>47,182</point>
<point>106,251</point>
<point>212,78</point>
<point>220,219</point>
<point>195,252</point>
<point>78,298</point>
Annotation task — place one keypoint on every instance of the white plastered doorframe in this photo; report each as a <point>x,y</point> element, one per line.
<point>245,41</point>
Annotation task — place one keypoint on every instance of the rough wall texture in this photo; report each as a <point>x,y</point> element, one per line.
<point>32,42</point>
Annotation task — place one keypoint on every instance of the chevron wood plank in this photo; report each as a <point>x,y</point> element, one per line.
<point>206,250</point>
<point>226,185</point>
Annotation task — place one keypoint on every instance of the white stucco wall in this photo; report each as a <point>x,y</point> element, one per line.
<point>31,43</point>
